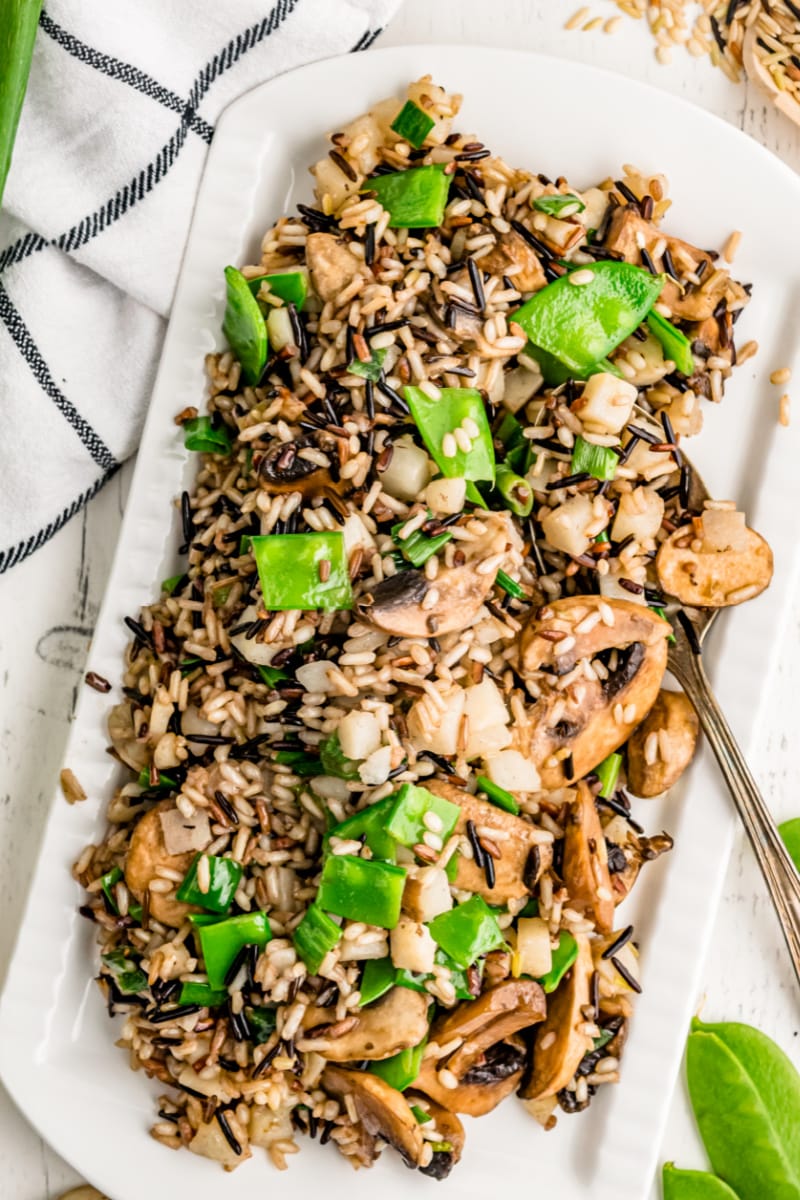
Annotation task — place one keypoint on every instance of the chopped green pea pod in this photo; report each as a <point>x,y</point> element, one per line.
<point>693,1185</point>
<point>202,993</point>
<point>370,823</point>
<point>580,323</point>
<point>563,957</point>
<point>380,974</point>
<point>221,939</point>
<point>416,811</point>
<point>368,370</point>
<point>518,448</point>
<point>272,675</point>
<point>402,1068</point>
<point>555,373</point>
<point>262,1022</point>
<point>169,585</point>
<point>203,436</point>
<point>437,421</point>
<point>315,936</point>
<point>790,833</point>
<point>108,882</point>
<point>302,763</point>
<point>467,931</point>
<point>289,286</point>
<point>599,461</point>
<point>414,199</point>
<point>608,773</point>
<point>412,124</point>
<point>224,876</point>
<point>334,761</point>
<point>556,206</point>
<point>244,326</point>
<point>674,342</point>
<point>497,795</point>
<point>514,492</point>
<point>377,978</point>
<point>303,571</point>
<point>129,978</point>
<point>362,889</point>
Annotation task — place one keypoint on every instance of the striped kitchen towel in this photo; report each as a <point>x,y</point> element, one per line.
<point>120,111</point>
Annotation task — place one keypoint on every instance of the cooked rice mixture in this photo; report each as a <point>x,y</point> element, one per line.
<point>383,726</point>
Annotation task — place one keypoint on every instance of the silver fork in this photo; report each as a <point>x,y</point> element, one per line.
<point>691,626</point>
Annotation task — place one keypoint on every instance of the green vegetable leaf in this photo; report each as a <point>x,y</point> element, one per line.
<point>244,326</point>
<point>289,286</point>
<point>123,965</point>
<point>557,206</point>
<point>563,957</point>
<point>204,436</point>
<point>412,124</point>
<point>693,1185</point>
<point>368,370</point>
<point>511,586</point>
<point>202,993</point>
<point>599,461</point>
<point>169,585</point>
<point>272,675</point>
<point>333,761</point>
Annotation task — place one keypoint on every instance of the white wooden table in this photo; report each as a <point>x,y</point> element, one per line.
<point>49,603</point>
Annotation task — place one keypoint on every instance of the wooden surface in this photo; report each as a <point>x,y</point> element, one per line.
<point>48,606</point>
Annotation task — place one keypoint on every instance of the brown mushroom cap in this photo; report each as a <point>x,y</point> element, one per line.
<point>382,1110</point>
<point>281,469</point>
<point>713,579</point>
<point>396,1022</point>
<point>674,722</point>
<point>146,853</point>
<point>556,1060</point>
<point>585,869</point>
<point>449,1129</point>
<point>482,1089</point>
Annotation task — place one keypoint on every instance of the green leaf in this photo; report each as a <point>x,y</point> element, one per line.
<point>674,342</point>
<point>599,461</point>
<point>368,370</point>
<point>19,20</point>
<point>693,1185</point>
<point>289,286</point>
<point>333,761</point>
<point>414,199</point>
<point>204,436</point>
<point>169,585</point>
<point>123,965</point>
<point>497,795</point>
<point>511,586</point>
<point>272,675</point>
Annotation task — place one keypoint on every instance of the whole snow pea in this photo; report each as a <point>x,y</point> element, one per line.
<point>790,832</point>
<point>693,1185</point>
<point>244,326</point>
<point>746,1097</point>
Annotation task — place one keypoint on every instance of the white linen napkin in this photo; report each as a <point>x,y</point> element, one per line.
<point>119,114</point>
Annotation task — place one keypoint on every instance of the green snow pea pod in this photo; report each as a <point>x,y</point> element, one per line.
<point>693,1185</point>
<point>790,832</point>
<point>303,570</point>
<point>414,199</point>
<point>244,326</point>
<point>437,421</point>
<point>674,342</point>
<point>19,20</point>
<point>746,1098</point>
<point>289,286</point>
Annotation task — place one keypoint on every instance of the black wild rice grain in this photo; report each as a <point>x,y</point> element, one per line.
<point>444,766</point>
<point>344,166</point>
<point>315,219</point>
<point>546,255</point>
<point>625,191</point>
<point>626,975</point>
<point>222,1120</point>
<point>476,282</point>
<point>620,810</point>
<point>647,259</point>
<point>174,1014</point>
<point>618,942</point>
<point>685,485</point>
<point>477,848</point>
<point>488,870</point>
<point>139,632</point>
<point>392,395</point>
<point>567,481</point>
<point>666,258</point>
<point>689,630</point>
<point>369,244</point>
<point>644,434</point>
<point>187,524</point>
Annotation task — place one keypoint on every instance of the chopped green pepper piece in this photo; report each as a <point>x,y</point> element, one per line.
<point>224,874</point>
<point>406,820</point>
<point>599,461</point>
<point>169,585</point>
<point>333,761</point>
<point>511,586</point>
<point>315,936</point>
<point>414,199</point>
<point>202,993</point>
<point>564,956</point>
<point>289,286</point>
<point>402,1068</point>
<point>516,494</point>
<point>123,966</point>
<point>581,324</point>
<point>272,675</point>
<point>262,1022</point>
<point>422,1117</point>
<point>380,975</point>
<point>107,883</point>
<point>662,613</point>
<point>497,795</point>
<point>370,823</point>
<point>412,124</point>
<point>437,418</point>
<point>205,437</point>
<point>608,773</point>
<point>362,889</point>
<point>467,931</point>
<point>368,370</point>
<point>293,575</point>
<point>221,939</point>
<point>674,342</point>
<point>554,206</point>
<point>244,326</point>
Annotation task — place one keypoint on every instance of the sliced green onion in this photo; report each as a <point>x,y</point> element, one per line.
<point>418,547</point>
<point>203,436</point>
<point>601,538</point>
<point>603,1039</point>
<point>674,342</point>
<point>515,492</point>
<point>244,326</point>
<point>224,876</point>
<point>127,975</point>
<point>187,665</point>
<point>412,124</point>
<point>531,909</point>
<point>272,675</point>
<point>262,1022</point>
<point>303,571</point>
<point>497,795</point>
<point>333,761</point>
<point>608,773</point>
<point>315,936</point>
<point>289,286</point>
<point>368,370</point>
<point>107,883</point>
<point>421,1116</point>
<point>599,461</point>
<point>169,585</point>
<point>664,617</point>
<point>164,780</point>
<point>555,206</point>
<point>414,199</point>
<point>517,446</point>
<point>510,586</point>
<point>302,763</point>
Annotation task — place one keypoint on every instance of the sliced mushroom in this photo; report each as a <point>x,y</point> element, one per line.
<point>522,855</point>
<point>662,747</point>
<point>396,1022</point>
<point>402,605</point>
<point>332,265</point>
<point>484,1086</point>
<point>146,854</point>
<point>585,868</point>
<point>579,725</point>
<point>283,469</point>
<point>511,250</point>
<point>382,1110</point>
<point>713,578</point>
<point>628,850</point>
<point>556,1059</point>
<point>129,749</point>
<point>449,1129</point>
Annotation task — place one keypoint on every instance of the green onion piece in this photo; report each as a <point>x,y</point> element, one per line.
<point>531,909</point>
<point>602,538</point>
<point>473,495</point>
<point>245,544</point>
<point>262,1022</point>
<point>204,437</point>
<point>315,936</point>
<point>293,572</point>
<point>608,773</point>
<point>406,819</point>
<point>164,780</point>
<point>511,586</point>
<point>187,665</point>
<point>244,326</point>
<point>467,931</point>
<point>18,24</point>
<point>497,795</point>
<point>302,763</point>
<point>123,966</point>
<point>664,617</point>
<point>169,585</point>
<point>333,761</point>
<point>603,1039</point>
<point>377,978</point>
<point>368,370</point>
<point>224,874</point>
<point>362,889</point>
<point>421,1116</point>
<point>412,124</point>
<point>369,823</point>
<point>202,993</point>
<point>417,548</point>
<point>564,956</point>
<point>107,883</point>
<point>555,206</point>
<point>674,342</point>
<point>402,1068</point>
<point>517,446</point>
<point>414,199</point>
<point>515,493</point>
<point>436,419</point>
<point>599,461</point>
<point>272,675</point>
<point>221,939</point>
<point>289,286</point>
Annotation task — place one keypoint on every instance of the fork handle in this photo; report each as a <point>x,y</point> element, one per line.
<point>780,875</point>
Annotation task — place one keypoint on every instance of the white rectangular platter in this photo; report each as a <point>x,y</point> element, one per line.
<point>56,1043</point>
